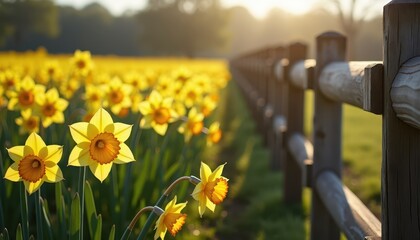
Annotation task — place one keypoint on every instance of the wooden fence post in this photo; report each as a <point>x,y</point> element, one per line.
<point>401,142</point>
<point>292,172</point>
<point>330,47</point>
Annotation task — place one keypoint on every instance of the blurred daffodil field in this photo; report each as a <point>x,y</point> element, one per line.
<point>107,147</point>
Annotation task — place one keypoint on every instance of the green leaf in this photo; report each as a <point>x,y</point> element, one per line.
<point>98,228</point>
<point>5,234</point>
<point>75,217</point>
<point>61,210</point>
<point>94,221</point>
<point>90,208</point>
<point>112,233</point>
<point>19,233</point>
<point>46,213</point>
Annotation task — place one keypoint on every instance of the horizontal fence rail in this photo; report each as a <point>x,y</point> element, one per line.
<point>274,80</point>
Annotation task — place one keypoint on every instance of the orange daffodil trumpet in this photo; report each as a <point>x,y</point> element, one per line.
<point>35,163</point>
<point>100,143</point>
<point>170,220</point>
<point>212,189</point>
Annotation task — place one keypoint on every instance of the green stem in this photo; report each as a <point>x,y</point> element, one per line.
<point>130,227</point>
<point>82,179</point>
<point>152,217</point>
<point>40,233</point>
<point>24,211</point>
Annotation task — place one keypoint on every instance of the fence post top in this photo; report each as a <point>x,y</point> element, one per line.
<point>393,2</point>
<point>330,35</point>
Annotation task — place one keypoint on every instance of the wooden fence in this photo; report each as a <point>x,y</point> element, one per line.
<point>274,81</point>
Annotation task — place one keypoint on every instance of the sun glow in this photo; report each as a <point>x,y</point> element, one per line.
<point>260,8</point>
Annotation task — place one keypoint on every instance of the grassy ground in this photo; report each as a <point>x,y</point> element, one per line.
<point>255,208</point>
<point>362,152</point>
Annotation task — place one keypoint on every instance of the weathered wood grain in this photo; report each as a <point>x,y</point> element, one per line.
<point>301,151</point>
<point>293,179</point>
<point>405,92</point>
<point>300,73</point>
<point>401,151</point>
<point>352,217</point>
<point>345,82</point>
<point>331,47</point>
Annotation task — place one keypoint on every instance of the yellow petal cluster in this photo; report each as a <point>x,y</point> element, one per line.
<point>99,144</point>
<point>34,163</point>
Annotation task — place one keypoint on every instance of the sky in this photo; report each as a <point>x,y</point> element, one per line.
<point>259,8</point>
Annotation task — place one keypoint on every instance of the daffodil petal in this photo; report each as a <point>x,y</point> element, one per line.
<point>178,207</point>
<point>79,132</point>
<point>145,108</point>
<point>204,172</point>
<point>122,131</point>
<point>167,102</point>
<point>58,117</point>
<point>79,156</point>
<point>101,171</point>
<point>53,174</point>
<point>160,128</point>
<point>27,150</point>
<point>197,190</point>
<point>16,153</point>
<point>12,173</point>
<point>202,204</point>
<point>33,187</point>
<point>54,153</point>
<point>210,205</point>
<point>125,155</point>
<point>216,173</point>
<point>155,99</point>
<point>101,119</point>
<point>36,142</point>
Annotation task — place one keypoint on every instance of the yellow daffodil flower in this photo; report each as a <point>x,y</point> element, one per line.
<point>157,113</point>
<point>193,125</point>
<point>100,143</point>
<point>69,87</point>
<point>28,123</point>
<point>35,163</point>
<point>191,94</point>
<point>212,189</point>
<point>117,95</point>
<point>9,79</point>
<point>51,107</point>
<point>207,106</point>
<point>82,63</point>
<point>23,97</point>
<point>171,219</point>
<point>93,97</point>
<point>214,134</point>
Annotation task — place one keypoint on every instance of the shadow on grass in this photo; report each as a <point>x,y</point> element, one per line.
<point>254,208</point>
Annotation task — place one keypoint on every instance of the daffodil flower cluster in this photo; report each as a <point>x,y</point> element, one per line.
<point>87,96</point>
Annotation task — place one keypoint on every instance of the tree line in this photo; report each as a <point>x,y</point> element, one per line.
<point>191,28</point>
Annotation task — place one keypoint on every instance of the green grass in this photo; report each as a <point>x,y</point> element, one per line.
<point>255,207</point>
<point>362,151</point>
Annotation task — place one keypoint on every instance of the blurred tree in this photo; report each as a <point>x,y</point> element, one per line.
<point>183,26</point>
<point>21,16</point>
<point>352,15</point>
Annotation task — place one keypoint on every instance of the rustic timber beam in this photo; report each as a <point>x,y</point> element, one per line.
<point>302,151</point>
<point>350,215</point>
<point>355,83</point>
<point>405,92</point>
<point>302,73</point>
